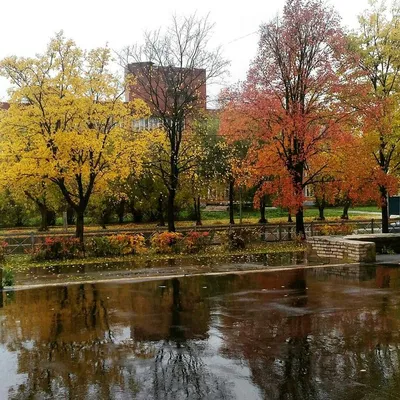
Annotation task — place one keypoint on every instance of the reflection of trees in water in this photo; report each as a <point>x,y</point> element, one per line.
<point>70,344</point>
<point>70,351</point>
<point>301,348</point>
<point>148,340</point>
<point>178,371</point>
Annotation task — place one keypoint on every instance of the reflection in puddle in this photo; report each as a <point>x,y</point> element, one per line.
<point>135,268</point>
<point>295,334</point>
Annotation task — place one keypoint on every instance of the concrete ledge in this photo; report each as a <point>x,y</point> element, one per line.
<point>342,248</point>
<point>382,241</point>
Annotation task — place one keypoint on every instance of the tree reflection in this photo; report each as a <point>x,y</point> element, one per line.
<point>65,345</point>
<point>329,341</point>
<point>300,335</point>
<point>86,341</point>
<point>179,371</point>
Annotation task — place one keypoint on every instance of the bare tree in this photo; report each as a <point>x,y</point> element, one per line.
<point>170,72</point>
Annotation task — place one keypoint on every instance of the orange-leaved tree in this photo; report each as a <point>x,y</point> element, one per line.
<point>377,44</point>
<point>291,99</point>
<point>357,176</point>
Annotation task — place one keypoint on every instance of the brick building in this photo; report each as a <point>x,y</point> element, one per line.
<point>165,90</point>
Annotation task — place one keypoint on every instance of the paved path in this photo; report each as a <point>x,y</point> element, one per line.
<point>372,213</point>
<point>365,212</point>
<point>388,259</point>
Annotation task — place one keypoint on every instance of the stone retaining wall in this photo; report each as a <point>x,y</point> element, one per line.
<point>334,247</point>
<point>384,242</point>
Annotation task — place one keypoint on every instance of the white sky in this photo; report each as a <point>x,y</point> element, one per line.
<point>27,25</point>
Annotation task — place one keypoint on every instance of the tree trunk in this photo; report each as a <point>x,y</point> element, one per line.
<point>47,217</point>
<point>132,208</point>
<point>262,219</point>
<point>198,212</point>
<point>121,211</point>
<point>289,218</point>
<point>175,137</point>
<point>321,209</point>
<point>298,174</point>
<point>345,214</point>
<point>19,216</point>
<point>105,217</point>
<point>384,209</point>
<point>70,216</point>
<point>194,208</point>
<point>137,215</point>
<point>321,204</point>
<point>300,230</point>
<point>161,210</point>
<point>43,217</point>
<point>79,207</point>
<point>79,225</point>
<point>51,217</point>
<point>170,210</point>
<point>152,216</point>
<point>44,211</point>
<point>231,195</point>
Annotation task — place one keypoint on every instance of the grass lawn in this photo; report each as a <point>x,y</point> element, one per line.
<point>278,215</point>
<point>222,218</point>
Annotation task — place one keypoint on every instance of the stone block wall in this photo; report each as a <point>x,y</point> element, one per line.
<point>342,249</point>
<point>383,241</point>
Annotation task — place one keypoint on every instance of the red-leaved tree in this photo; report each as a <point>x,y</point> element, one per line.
<point>291,101</point>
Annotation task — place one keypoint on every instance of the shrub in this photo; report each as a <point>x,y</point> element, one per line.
<point>196,241</point>
<point>3,246</point>
<point>116,245</point>
<point>236,240</point>
<point>166,242</point>
<point>387,250</point>
<point>331,230</point>
<point>8,277</point>
<point>239,238</point>
<point>127,244</point>
<point>248,234</point>
<point>232,239</point>
<point>55,248</point>
<point>99,246</point>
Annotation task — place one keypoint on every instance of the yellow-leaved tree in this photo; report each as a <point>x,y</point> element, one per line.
<point>29,190</point>
<point>68,124</point>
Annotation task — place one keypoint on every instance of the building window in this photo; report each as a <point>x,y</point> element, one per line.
<point>147,124</point>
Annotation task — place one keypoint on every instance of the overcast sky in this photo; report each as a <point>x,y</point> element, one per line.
<point>27,25</point>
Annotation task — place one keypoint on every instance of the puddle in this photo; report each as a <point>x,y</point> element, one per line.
<point>76,272</point>
<point>295,334</point>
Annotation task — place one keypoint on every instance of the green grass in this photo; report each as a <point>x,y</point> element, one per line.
<point>279,215</point>
<point>334,212</point>
<point>221,218</point>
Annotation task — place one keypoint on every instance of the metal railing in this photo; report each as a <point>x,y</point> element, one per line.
<point>19,243</point>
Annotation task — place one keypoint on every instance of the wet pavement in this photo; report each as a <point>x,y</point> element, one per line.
<point>388,259</point>
<point>141,268</point>
<point>319,333</point>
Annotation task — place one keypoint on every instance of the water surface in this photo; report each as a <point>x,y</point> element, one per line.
<point>142,267</point>
<point>324,333</point>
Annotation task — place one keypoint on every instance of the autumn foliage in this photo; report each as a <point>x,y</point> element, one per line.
<point>288,107</point>
<point>67,124</point>
<point>317,118</point>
